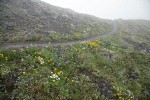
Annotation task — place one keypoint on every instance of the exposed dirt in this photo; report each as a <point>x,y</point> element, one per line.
<point>8,84</point>
<point>138,46</point>
<point>103,85</point>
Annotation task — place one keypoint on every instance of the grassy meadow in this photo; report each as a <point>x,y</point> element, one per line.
<point>95,70</point>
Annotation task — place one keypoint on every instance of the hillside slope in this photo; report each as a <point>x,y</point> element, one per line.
<point>98,59</point>
<point>132,33</point>
<point>20,20</point>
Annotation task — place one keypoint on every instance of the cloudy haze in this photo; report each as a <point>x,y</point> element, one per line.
<point>108,9</point>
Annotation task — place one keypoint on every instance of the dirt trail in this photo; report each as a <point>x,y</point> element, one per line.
<point>30,44</point>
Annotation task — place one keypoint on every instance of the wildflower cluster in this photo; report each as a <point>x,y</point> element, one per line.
<point>51,61</point>
<point>94,44</point>
<point>55,75</point>
<point>120,94</point>
<point>40,59</point>
<point>71,80</point>
<point>70,72</point>
<point>2,57</point>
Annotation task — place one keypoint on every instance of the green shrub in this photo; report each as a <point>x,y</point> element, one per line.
<point>33,37</point>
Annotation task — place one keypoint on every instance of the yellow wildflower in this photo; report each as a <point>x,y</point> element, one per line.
<point>6,58</point>
<point>39,53</point>
<point>53,80</point>
<point>38,57</point>
<point>41,61</point>
<point>55,69</point>
<point>59,73</point>
<point>14,51</point>
<point>72,81</point>
<point>2,55</point>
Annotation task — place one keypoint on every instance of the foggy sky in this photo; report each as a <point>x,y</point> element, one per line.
<point>108,9</point>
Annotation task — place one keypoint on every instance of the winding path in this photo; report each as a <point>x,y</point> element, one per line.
<point>30,44</point>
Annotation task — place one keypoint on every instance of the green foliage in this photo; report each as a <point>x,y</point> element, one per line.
<point>17,38</point>
<point>33,37</point>
<point>74,72</point>
<point>55,36</point>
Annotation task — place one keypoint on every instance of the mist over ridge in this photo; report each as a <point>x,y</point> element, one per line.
<point>108,9</point>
